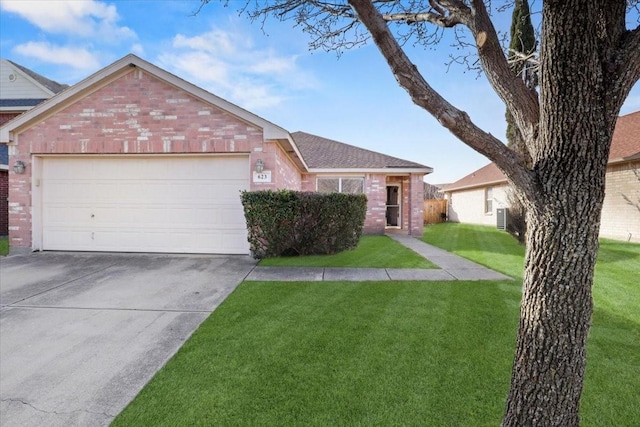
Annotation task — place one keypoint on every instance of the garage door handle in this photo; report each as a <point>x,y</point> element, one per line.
<point>92,215</point>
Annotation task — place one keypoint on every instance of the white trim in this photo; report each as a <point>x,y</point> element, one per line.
<point>386,206</point>
<point>4,167</point>
<point>36,203</point>
<point>17,109</point>
<point>340,178</point>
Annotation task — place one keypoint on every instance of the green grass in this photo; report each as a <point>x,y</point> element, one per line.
<point>484,245</point>
<point>4,246</point>
<point>372,251</point>
<point>611,389</point>
<point>389,353</point>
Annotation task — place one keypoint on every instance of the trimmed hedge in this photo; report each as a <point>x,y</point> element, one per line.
<point>289,222</point>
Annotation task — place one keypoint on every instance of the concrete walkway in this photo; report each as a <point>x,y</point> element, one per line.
<point>452,267</point>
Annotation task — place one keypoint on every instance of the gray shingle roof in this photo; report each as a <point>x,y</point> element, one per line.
<point>21,102</point>
<point>53,86</point>
<point>323,153</point>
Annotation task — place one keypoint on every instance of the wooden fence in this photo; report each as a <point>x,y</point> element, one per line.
<point>434,210</point>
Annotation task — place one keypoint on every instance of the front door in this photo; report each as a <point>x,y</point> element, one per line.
<point>393,206</point>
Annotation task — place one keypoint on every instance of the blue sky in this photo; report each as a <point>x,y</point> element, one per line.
<point>353,98</point>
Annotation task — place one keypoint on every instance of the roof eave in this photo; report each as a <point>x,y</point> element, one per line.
<point>632,158</point>
<point>476,185</point>
<point>290,147</point>
<point>16,108</point>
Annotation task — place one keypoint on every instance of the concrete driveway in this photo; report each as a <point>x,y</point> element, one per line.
<point>81,334</point>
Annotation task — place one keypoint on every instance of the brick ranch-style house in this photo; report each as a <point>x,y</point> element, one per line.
<point>135,159</point>
<point>476,198</point>
<point>20,90</point>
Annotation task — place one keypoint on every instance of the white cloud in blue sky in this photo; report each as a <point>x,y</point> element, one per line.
<point>270,72</point>
<point>87,18</point>
<point>60,55</point>
<point>230,64</point>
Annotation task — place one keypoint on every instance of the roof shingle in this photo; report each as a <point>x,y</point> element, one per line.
<point>625,146</point>
<point>323,153</point>
<point>53,86</point>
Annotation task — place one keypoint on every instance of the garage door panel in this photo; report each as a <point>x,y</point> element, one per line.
<point>172,204</point>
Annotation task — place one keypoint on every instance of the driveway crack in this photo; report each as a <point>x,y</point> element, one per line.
<point>15,400</point>
<point>60,285</point>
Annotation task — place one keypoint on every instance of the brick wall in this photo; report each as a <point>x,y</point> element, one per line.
<point>5,117</point>
<point>284,173</point>
<point>4,206</point>
<point>134,114</point>
<point>620,216</point>
<point>376,189</point>
<point>416,204</point>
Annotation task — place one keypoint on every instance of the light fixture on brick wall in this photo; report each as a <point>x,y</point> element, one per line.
<point>19,167</point>
<point>259,166</point>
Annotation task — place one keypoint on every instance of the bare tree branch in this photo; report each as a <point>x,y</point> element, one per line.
<point>520,99</point>
<point>433,18</point>
<point>627,63</point>
<point>457,121</point>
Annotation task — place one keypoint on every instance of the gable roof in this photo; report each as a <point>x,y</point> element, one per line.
<point>21,88</point>
<point>486,175</point>
<point>309,152</point>
<point>625,146</point>
<point>323,155</point>
<point>121,67</point>
<point>52,86</point>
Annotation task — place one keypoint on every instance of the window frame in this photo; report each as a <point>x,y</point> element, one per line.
<point>488,200</point>
<point>340,186</point>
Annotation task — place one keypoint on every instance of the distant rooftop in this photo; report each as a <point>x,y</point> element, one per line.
<point>625,146</point>
<point>53,86</point>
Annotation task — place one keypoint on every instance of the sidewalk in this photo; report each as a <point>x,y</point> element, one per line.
<point>452,267</point>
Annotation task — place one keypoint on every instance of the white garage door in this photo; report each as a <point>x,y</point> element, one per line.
<point>133,204</point>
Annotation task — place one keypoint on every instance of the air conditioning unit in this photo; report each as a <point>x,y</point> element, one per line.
<point>502,217</point>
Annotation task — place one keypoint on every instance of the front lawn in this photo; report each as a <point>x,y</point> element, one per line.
<point>4,246</point>
<point>372,251</point>
<point>389,353</point>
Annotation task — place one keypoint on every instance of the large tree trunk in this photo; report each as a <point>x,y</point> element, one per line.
<point>588,64</point>
<point>563,220</point>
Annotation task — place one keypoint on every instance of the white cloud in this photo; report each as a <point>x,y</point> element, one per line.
<point>229,65</point>
<point>137,49</point>
<point>80,18</point>
<point>78,58</point>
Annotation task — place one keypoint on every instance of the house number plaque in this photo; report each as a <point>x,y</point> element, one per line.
<point>264,176</point>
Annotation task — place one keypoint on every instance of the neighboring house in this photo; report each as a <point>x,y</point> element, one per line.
<point>135,159</point>
<point>20,90</point>
<point>477,197</point>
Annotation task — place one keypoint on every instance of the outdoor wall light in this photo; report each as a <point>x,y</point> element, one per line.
<point>19,167</point>
<point>259,166</point>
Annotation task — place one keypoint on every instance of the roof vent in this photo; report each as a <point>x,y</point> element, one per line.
<point>12,77</point>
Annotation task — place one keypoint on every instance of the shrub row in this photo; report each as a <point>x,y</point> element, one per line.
<point>289,222</point>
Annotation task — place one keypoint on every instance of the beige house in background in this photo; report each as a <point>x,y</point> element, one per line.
<point>479,197</point>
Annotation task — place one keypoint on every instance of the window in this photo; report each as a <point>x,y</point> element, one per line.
<point>488,200</point>
<point>341,185</point>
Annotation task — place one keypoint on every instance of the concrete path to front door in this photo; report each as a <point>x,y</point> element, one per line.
<point>81,334</point>
<point>451,267</point>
